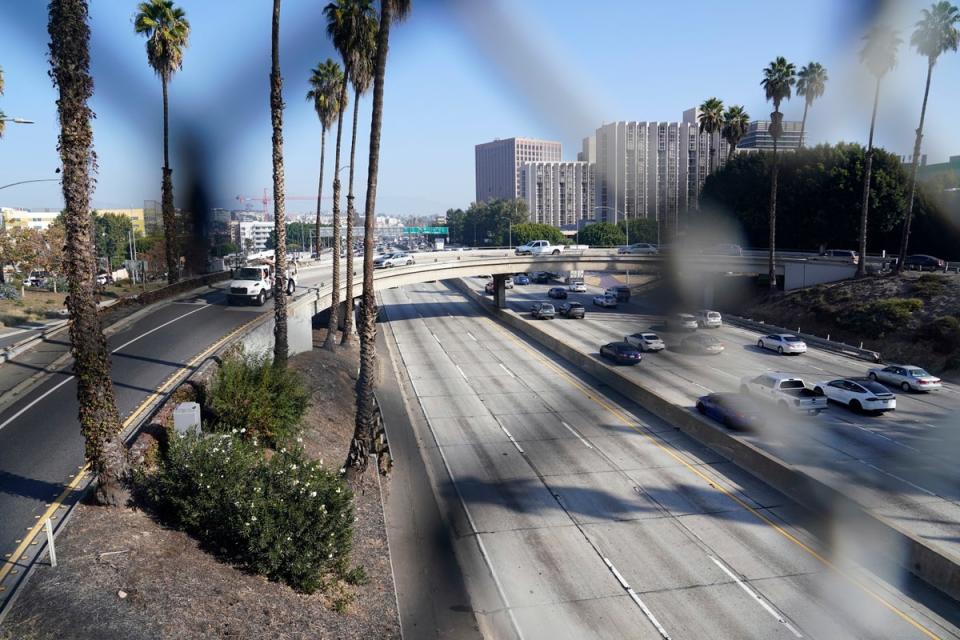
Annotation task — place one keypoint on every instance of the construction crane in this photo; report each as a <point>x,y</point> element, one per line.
<point>267,199</point>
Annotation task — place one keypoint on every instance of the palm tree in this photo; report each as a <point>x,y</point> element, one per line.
<point>935,33</point>
<point>3,124</point>
<point>325,81</point>
<point>364,438</point>
<point>778,80</point>
<point>711,120</point>
<point>99,419</point>
<point>811,83</point>
<point>167,31</point>
<point>735,123</point>
<point>280,348</point>
<point>354,35</point>
<point>337,14</point>
<point>879,54</point>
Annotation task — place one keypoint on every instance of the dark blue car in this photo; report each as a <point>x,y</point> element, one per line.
<point>521,279</point>
<point>732,410</point>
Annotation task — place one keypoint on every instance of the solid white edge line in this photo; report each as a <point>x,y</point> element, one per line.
<point>471,337</point>
<point>756,596</point>
<point>509,373</point>
<point>462,374</point>
<point>636,599</point>
<point>571,430</point>
<point>35,401</point>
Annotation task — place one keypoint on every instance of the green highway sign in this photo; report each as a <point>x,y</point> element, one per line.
<point>434,231</point>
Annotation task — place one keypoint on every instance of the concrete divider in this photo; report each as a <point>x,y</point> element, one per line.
<point>893,550</point>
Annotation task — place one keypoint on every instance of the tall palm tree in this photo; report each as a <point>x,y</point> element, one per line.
<point>778,80</point>
<point>337,14</point>
<point>325,87</point>
<point>811,83</point>
<point>99,419</point>
<point>879,54</point>
<point>935,33</point>
<point>711,120</point>
<point>3,124</point>
<point>167,31</point>
<point>364,438</point>
<point>280,347</point>
<point>735,123</point>
<point>364,48</point>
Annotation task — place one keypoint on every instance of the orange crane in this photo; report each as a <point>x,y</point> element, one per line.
<point>267,199</point>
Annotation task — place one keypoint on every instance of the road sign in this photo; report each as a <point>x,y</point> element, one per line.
<point>433,231</point>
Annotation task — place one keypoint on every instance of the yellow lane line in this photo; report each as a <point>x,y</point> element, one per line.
<point>10,563</point>
<point>786,534</point>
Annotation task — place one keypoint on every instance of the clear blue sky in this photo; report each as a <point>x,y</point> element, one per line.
<point>460,72</point>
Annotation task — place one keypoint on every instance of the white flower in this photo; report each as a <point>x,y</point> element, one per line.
<point>253,518</point>
<point>313,494</point>
<point>293,467</point>
<point>243,430</point>
<point>329,556</point>
<point>343,470</point>
<point>234,430</point>
<point>299,439</point>
<point>296,482</point>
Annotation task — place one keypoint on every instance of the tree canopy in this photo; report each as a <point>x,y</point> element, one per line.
<point>527,231</point>
<point>487,223</point>
<point>603,234</point>
<point>819,201</point>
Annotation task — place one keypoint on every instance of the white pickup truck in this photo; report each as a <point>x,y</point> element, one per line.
<point>538,248</point>
<point>784,390</point>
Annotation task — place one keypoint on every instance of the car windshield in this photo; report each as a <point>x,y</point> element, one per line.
<point>650,336</point>
<point>792,384</point>
<point>873,387</point>
<point>917,373</point>
<point>248,274</point>
<point>791,339</point>
<point>575,305</point>
<point>546,307</point>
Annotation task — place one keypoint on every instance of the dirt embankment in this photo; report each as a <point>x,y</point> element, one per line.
<point>911,319</point>
<point>122,575</point>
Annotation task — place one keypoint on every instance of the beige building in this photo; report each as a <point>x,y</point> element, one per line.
<point>498,165</point>
<point>558,193</point>
<point>28,218</point>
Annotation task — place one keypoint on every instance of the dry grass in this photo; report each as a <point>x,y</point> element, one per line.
<point>35,306</point>
<point>175,590</point>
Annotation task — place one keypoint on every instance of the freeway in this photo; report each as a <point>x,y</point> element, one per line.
<point>597,520</point>
<point>901,464</point>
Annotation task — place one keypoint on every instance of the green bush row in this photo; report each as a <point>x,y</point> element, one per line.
<point>287,518</point>
<point>876,319</point>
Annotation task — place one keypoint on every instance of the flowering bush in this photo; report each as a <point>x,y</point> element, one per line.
<point>288,518</point>
<point>251,397</point>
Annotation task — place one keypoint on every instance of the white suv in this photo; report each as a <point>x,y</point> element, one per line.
<point>709,319</point>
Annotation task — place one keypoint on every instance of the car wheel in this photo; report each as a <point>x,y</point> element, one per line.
<point>872,376</point>
<point>780,350</point>
<point>856,406</point>
<point>702,409</point>
<point>556,252</point>
<point>905,386</point>
<point>262,299</point>
<point>760,343</point>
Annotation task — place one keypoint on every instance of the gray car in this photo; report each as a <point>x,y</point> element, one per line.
<point>906,377</point>
<point>543,311</point>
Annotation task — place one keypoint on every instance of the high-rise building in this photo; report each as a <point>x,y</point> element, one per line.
<point>589,151</point>
<point>498,165</point>
<point>558,193</point>
<point>758,136</point>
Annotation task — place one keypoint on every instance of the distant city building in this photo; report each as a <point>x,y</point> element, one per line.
<point>558,193</point>
<point>27,218</point>
<point>137,217</point>
<point>220,216</point>
<point>498,165</point>
<point>589,151</point>
<point>257,232</point>
<point>758,136</point>
<point>152,217</point>
<point>950,168</point>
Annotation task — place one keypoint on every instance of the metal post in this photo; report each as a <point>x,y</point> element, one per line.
<point>53,552</point>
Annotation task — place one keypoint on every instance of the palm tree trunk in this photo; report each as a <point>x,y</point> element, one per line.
<point>366,416</point>
<point>868,170</point>
<point>774,176</point>
<point>905,239</point>
<point>348,319</point>
<point>803,122</point>
<point>323,148</point>
<point>99,418</point>
<point>331,340</point>
<point>280,347</point>
<point>166,196</point>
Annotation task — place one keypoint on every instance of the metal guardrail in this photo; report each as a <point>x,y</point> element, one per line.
<point>817,341</point>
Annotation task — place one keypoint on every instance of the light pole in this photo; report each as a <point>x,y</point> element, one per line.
<point>16,120</point>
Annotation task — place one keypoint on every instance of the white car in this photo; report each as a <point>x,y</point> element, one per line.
<point>783,343</point>
<point>709,319</point>
<point>605,301</point>
<point>906,377</point>
<point>393,260</point>
<point>682,322</point>
<point>577,287</point>
<point>637,248</point>
<point>645,341</point>
<point>860,394</point>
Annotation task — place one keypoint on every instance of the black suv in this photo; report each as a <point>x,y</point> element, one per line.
<point>622,293</point>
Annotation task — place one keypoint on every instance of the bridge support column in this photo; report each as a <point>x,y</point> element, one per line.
<point>500,290</point>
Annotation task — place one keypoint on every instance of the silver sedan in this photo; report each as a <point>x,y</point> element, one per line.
<point>906,377</point>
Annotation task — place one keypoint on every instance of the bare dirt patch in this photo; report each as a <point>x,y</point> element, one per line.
<point>124,576</point>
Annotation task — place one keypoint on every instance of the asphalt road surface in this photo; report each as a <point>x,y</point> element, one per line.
<point>901,464</point>
<point>596,520</point>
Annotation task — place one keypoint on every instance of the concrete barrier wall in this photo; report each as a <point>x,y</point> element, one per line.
<point>887,543</point>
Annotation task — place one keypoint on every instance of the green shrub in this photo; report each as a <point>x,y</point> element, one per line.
<point>288,518</point>
<point>944,332</point>
<point>9,292</point>
<point>876,319</point>
<point>251,397</point>
<point>928,286</point>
